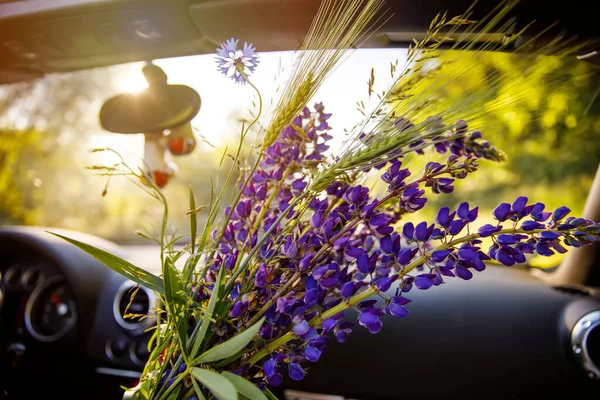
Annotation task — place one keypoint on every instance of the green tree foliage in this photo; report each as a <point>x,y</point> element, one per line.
<point>550,132</point>
<point>47,129</point>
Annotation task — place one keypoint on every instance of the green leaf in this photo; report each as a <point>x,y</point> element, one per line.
<point>119,265</point>
<point>175,393</point>
<point>173,286</point>
<point>220,386</point>
<point>231,346</point>
<point>193,220</point>
<point>270,395</point>
<point>244,387</point>
<point>198,390</point>
<point>206,319</point>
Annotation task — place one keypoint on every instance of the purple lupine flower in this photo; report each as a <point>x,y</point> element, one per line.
<point>488,230</point>
<point>369,255</point>
<point>236,63</point>
<point>560,213</point>
<point>312,353</point>
<point>396,307</point>
<point>411,199</point>
<point>502,212</point>
<point>395,175</point>
<point>369,318</point>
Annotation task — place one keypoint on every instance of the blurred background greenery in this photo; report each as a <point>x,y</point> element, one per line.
<point>47,128</point>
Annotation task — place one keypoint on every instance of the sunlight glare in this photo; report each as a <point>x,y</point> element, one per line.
<point>132,81</point>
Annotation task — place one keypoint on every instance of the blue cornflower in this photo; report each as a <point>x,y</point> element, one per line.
<point>236,63</point>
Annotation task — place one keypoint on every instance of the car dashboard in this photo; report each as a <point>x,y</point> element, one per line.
<point>65,330</point>
<point>67,319</point>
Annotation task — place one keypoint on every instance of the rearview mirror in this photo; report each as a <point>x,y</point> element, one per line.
<point>162,112</point>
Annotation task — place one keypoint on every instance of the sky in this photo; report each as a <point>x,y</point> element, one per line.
<point>222,98</point>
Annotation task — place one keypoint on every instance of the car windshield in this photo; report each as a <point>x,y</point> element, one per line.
<point>48,127</point>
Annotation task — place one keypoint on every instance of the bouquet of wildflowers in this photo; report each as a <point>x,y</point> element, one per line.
<point>268,280</point>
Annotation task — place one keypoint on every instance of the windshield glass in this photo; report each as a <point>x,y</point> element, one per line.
<point>48,127</point>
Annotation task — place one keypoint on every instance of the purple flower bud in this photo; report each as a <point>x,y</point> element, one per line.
<point>543,250</point>
<point>515,253</point>
<point>501,213</point>
<point>405,255</point>
<point>421,231</point>
<point>488,230</point>
<point>260,280</point>
<point>519,204</point>
<point>317,219</point>
<point>366,264</point>
<point>354,253</point>
<point>282,304</point>
<point>356,195</point>
<point>557,247</point>
<point>328,283</point>
<point>463,210</point>
<point>374,328</point>
<point>270,367</point>
<point>528,226</point>
<point>261,193</point>
<point>466,254</point>
<point>456,227</point>
<point>243,209</point>
<point>347,290</point>
<point>443,217</point>
<point>384,284</point>
<point>237,309</point>
<point>408,230</point>
<point>397,310</point>
<point>275,380</point>
<point>472,215</point>
<point>388,244</point>
<point>329,323</point>
<point>310,297</point>
<point>340,243</point>
<point>439,255</point>
<point>290,248</point>
<point>305,261</point>
<point>504,258</point>
<point>301,329</point>
<point>549,235</point>
<point>182,368</point>
<point>383,230</point>
<point>318,272</point>
<point>342,335</point>
<point>295,371</point>
<point>506,239</point>
<point>424,281</point>
<point>312,353</point>
<point>560,213</point>
<point>538,214</point>
<point>298,185</point>
<point>578,221</point>
<point>462,272</point>
<point>368,317</point>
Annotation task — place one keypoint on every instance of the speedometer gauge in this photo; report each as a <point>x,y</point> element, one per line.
<point>50,313</point>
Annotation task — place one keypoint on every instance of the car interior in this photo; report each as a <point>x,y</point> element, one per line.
<point>64,327</point>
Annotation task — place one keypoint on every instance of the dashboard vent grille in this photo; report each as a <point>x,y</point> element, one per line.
<point>133,306</point>
<point>585,343</point>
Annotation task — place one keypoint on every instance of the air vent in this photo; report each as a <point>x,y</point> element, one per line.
<point>131,304</point>
<point>585,342</point>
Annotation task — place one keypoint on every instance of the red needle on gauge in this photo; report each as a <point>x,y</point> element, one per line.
<point>56,300</point>
<point>61,308</point>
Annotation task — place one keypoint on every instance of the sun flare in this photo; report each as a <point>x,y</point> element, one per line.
<point>132,81</point>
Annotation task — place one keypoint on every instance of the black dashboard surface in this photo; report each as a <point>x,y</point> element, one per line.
<point>504,334</point>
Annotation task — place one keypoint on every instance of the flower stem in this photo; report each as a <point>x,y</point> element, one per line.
<point>241,190</point>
